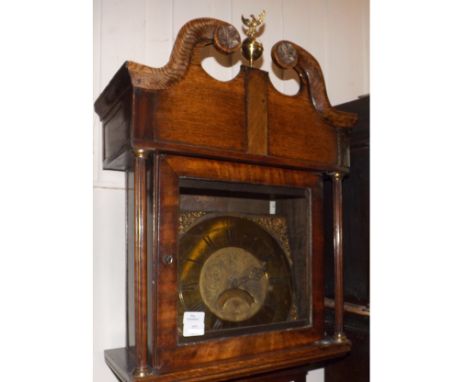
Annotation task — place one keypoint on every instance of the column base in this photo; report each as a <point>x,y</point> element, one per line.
<point>340,338</point>
<point>141,372</point>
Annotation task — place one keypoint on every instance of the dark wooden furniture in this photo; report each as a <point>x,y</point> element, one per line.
<point>355,366</point>
<point>172,125</point>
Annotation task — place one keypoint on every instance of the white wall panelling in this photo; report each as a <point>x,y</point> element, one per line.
<point>336,32</point>
<point>346,57</point>
<point>317,375</point>
<point>108,277</point>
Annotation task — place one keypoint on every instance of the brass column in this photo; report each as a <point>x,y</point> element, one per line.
<point>337,178</point>
<point>140,264</point>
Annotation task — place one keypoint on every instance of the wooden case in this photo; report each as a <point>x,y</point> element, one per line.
<point>162,125</point>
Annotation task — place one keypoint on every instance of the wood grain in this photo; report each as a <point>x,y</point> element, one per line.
<point>288,55</point>
<point>238,156</point>
<point>297,131</point>
<point>198,111</point>
<point>121,361</point>
<point>256,113</point>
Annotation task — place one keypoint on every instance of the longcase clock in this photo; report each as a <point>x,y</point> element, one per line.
<point>225,213</point>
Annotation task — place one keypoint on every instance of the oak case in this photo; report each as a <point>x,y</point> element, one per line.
<point>166,125</point>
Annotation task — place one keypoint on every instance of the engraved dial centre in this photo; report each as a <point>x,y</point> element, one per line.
<point>233,284</point>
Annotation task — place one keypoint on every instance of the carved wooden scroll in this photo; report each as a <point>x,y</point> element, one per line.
<point>204,31</point>
<point>288,55</point>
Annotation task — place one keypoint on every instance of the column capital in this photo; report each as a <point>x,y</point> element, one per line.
<point>336,175</point>
<point>140,153</point>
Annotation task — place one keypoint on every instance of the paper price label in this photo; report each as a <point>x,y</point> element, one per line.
<point>272,207</point>
<point>194,324</point>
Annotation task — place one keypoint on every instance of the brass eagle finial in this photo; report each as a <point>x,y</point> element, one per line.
<point>251,48</point>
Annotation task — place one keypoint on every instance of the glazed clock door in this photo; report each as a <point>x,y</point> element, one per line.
<point>239,247</point>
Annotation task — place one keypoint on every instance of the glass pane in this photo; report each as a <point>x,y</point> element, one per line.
<point>243,258</point>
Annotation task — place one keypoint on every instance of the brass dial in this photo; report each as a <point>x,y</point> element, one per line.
<point>234,271</point>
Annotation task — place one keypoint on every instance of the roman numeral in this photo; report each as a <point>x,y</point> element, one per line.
<point>228,234</point>
<point>209,242</point>
<point>189,287</point>
<point>197,306</point>
<point>218,324</point>
<point>194,261</point>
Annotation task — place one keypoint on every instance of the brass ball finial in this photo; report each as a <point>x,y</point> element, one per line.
<point>251,48</point>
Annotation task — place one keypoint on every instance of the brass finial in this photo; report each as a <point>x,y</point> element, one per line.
<point>251,48</point>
